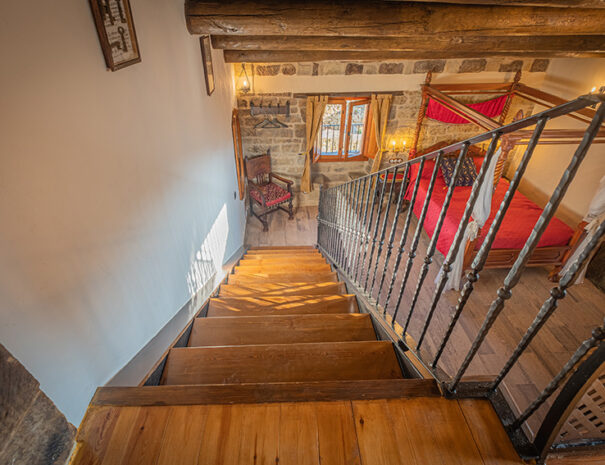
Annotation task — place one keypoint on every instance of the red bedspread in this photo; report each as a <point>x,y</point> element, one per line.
<point>516,227</point>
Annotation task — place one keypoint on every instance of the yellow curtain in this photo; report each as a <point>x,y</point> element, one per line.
<point>315,111</point>
<point>380,106</point>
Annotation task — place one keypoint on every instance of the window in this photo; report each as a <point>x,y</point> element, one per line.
<point>346,132</point>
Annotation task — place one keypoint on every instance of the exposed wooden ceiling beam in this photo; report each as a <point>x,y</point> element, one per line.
<point>285,56</point>
<point>363,18</point>
<point>446,43</point>
<point>549,3</point>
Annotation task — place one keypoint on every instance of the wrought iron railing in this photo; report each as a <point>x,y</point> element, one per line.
<point>354,219</point>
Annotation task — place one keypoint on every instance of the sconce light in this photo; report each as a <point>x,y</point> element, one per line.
<point>244,80</point>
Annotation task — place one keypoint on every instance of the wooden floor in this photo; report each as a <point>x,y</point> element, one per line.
<point>417,431</point>
<point>579,312</point>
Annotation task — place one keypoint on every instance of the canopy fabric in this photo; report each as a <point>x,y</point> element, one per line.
<point>489,108</point>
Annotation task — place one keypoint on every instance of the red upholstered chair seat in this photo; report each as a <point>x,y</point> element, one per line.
<point>273,193</point>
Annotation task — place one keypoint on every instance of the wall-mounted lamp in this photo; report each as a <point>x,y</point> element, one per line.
<point>397,151</point>
<point>244,80</point>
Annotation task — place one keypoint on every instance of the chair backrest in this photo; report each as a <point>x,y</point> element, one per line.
<point>258,168</point>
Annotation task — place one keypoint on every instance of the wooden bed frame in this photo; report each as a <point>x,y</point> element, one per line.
<point>505,258</point>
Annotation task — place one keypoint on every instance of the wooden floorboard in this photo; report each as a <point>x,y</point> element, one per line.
<point>578,314</point>
<point>360,432</point>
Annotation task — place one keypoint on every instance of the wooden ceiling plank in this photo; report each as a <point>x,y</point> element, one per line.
<point>362,18</point>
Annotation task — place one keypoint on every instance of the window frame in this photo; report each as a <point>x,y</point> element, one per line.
<point>344,138</point>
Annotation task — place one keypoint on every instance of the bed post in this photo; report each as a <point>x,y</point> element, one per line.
<point>421,113</point>
<point>509,99</point>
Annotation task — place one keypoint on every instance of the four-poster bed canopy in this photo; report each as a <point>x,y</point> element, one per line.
<point>438,104</point>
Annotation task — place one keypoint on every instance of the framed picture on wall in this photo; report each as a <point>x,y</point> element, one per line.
<point>115,27</point>
<point>207,62</point>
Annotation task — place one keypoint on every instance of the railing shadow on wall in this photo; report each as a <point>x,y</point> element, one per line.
<point>352,234</point>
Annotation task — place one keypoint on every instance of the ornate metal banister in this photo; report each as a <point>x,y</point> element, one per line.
<point>353,220</point>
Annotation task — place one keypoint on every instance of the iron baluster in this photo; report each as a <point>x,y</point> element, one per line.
<point>556,293</point>
<point>375,234</point>
<point>481,257</point>
<point>359,236</point>
<point>416,238</point>
<point>337,235</point>
<point>343,221</point>
<point>402,190</point>
<point>511,280</point>
<point>466,216</point>
<point>598,334</point>
<point>370,206</point>
<point>352,220</point>
<point>428,259</point>
<point>384,224</point>
<point>402,240</point>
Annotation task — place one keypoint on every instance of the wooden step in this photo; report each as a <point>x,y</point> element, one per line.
<point>306,391</point>
<point>279,261</point>
<point>281,363</point>
<point>282,305</point>
<point>266,289</point>
<point>285,267</point>
<point>241,277</point>
<point>285,257</point>
<point>281,329</point>
<point>281,247</point>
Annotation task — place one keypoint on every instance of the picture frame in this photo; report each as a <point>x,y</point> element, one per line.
<point>207,63</point>
<point>117,35</point>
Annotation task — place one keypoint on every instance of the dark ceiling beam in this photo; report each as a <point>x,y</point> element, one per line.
<point>548,3</point>
<point>285,56</point>
<point>362,18</point>
<point>510,44</point>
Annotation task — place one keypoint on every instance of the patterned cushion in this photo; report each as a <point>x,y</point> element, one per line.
<point>273,193</point>
<point>467,174</point>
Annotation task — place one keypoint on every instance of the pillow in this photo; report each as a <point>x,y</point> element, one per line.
<point>467,174</point>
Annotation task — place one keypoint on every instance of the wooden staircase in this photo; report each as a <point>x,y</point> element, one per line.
<point>284,369</point>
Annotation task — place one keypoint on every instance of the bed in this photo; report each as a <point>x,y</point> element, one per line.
<point>516,227</point>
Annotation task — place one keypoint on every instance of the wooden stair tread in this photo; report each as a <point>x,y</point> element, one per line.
<point>281,363</point>
<point>242,277</point>
<point>306,391</point>
<point>281,305</point>
<point>303,288</point>
<point>281,329</point>
<point>281,259</point>
<point>285,256</point>
<point>282,247</point>
<point>281,267</point>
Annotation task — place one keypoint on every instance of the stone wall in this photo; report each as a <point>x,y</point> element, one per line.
<point>32,430</point>
<point>288,144</point>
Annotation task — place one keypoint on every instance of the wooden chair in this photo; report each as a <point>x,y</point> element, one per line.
<point>263,191</point>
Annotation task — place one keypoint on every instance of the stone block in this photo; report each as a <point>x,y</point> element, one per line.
<point>315,69</point>
<point>267,70</point>
<point>288,69</point>
<point>330,68</point>
<point>370,68</point>
<point>539,65</point>
<point>473,66</point>
<point>44,437</point>
<point>305,69</point>
<point>424,66</point>
<point>390,68</point>
<point>354,68</point>
<point>511,67</point>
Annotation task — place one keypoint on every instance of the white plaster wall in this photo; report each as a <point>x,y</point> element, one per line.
<point>569,78</point>
<point>110,184</point>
